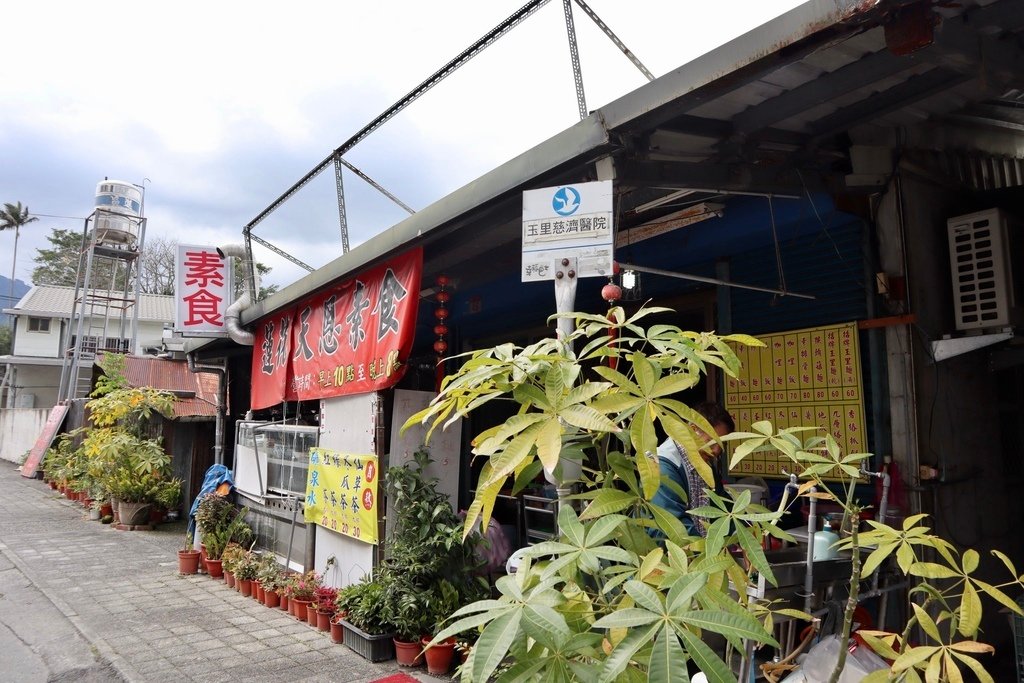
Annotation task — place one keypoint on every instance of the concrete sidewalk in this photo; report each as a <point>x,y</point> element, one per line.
<point>121,592</point>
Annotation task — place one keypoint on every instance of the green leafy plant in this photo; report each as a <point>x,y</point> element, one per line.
<point>606,601</point>
<point>231,556</point>
<point>424,552</point>
<point>219,523</point>
<point>168,494</point>
<point>361,603</point>
<point>247,567</point>
<point>270,573</point>
<point>946,600</point>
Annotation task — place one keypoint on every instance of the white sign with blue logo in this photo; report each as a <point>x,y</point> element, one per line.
<point>568,221</point>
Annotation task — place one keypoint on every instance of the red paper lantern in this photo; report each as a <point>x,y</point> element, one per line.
<point>444,297</point>
<point>442,281</point>
<point>440,330</point>
<point>440,346</point>
<point>611,292</point>
<point>441,313</point>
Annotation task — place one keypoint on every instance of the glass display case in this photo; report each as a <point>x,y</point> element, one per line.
<point>272,458</point>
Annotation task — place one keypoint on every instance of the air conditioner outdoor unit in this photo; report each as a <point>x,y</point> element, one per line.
<point>984,250</point>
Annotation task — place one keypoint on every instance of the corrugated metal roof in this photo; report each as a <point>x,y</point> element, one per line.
<point>773,111</point>
<point>56,301</point>
<point>174,376</point>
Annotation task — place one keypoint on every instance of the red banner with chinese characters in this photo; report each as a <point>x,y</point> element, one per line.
<point>350,338</point>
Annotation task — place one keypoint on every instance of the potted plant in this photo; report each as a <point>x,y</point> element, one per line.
<point>324,598</point>
<point>365,631</point>
<point>246,569</point>
<point>443,602</point>
<point>426,551</point>
<point>229,560</point>
<point>271,577</point>
<point>301,593</point>
<point>188,557</point>
<point>229,526</point>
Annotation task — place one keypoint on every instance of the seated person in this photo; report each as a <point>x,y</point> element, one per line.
<point>676,466</point>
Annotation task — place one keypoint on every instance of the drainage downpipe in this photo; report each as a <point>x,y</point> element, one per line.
<point>231,316</point>
<point>222,399</point>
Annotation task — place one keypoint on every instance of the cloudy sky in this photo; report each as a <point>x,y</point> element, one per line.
<point>218,107</point>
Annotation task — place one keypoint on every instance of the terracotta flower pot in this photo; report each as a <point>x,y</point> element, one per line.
<point>284,604</point>
<point>323,620</point>
<point>408,654</point>
<point>299,610</point>
<point>337,631</point>
<point>229,579</point>
<point>214,568</point>
<point>245,587</point>
<point>188,561</point>
<point>271,598</point>
<point>260,594</point>
<point>311,614</point>
<point>108,509</point>
<point>439,656</point>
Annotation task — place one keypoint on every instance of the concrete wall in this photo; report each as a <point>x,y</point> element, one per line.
<point>37,344</point>
<point>48,344</point>
<point>41,381</point>
<point>19,430</point>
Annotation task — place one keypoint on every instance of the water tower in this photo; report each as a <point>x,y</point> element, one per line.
<point>105,314</point>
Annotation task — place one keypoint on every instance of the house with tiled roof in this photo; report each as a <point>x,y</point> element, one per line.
<point>43,335</point>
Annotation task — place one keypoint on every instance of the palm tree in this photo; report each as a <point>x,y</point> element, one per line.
<point>14,216</point>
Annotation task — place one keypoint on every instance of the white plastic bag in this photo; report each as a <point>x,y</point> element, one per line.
<point>822,658</point>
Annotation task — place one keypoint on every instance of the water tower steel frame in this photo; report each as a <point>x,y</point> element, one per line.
<point>107,289</point>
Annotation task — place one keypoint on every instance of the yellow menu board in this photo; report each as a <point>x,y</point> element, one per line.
<point>341,493</point>
<point>801,378</point>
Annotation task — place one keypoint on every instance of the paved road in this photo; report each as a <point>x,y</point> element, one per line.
<point>81,601</point>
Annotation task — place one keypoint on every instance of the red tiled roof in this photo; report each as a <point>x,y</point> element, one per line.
<point>174,376</point>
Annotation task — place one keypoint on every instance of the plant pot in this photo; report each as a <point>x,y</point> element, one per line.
<point>106,509</point>
<point>245,587</point>
<point>261,594</point>
<point>157,515</point>
<point>375,648</point>
<point>134,514</point>
<point>284,604</point>
<point>214,568</point>
<point>202,551</point>
<point>188,561</point>
<point>311,614</point>
<point>229,579</point>
<point>94,514</point>
<point>299,609</point>
<point>271,598</point>
<point>439,657</point>
<point>337,631</point>
<point>323,620</point>
<point>115,508</point>
<point>408,654</point>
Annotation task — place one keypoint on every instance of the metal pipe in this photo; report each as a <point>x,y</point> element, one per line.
<point>232,322</point>
<point>222,392</point>
<point>812,528</point>
<point>711,280</point>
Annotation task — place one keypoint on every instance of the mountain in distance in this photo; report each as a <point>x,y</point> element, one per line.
<point>5,294</point>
